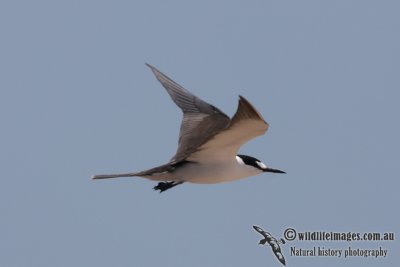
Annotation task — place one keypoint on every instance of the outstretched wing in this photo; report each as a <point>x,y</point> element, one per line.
<point>200,120</point>
<point>261,231</point>
<point>276,249</point>
<point>245,125</point>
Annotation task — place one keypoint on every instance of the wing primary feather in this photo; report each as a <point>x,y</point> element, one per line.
<point>200,120</point>
<point>245,111</point>
<point>245,125</point>
<point>184,99</point>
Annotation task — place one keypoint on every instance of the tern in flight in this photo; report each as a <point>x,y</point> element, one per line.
<point>208,142</point>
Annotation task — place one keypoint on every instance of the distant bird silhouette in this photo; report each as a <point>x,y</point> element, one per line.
<point>273,242</point>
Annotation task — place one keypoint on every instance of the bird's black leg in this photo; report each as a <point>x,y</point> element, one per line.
<point>162,186</point>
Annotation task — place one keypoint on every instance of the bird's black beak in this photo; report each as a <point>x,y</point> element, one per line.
<point>273,170</point>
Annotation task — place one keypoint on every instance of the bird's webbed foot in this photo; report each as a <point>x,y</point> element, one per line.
<point>163,186</point>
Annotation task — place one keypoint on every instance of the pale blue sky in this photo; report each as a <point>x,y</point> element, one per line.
<point>76,99</point>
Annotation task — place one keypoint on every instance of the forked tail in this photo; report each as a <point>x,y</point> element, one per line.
<point>106,176</point>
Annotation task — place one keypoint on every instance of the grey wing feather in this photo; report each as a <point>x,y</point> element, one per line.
<point>246,111</point>
<point>245,125</point>
<point>200,120</point>
<point>188,102</point>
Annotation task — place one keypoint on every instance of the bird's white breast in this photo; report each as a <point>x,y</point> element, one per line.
<point>218,172</point>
